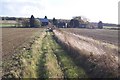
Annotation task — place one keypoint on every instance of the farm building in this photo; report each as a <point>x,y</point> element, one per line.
<point>44,21</point>
<point>78,22</point>
<point>62,23</point>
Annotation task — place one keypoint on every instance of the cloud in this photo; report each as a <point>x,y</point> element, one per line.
<point>20,7</point>
<point>95,10</point>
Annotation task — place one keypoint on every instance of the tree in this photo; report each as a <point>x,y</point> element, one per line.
<point>25,22</point>
<point>37,23</point>
<point>74,23</point>
<point>45,17</point>
<point>19,23</point>
<point>100,25</point>
<point>71,23</point>
<point>55,22</point>
<point>32,21</point>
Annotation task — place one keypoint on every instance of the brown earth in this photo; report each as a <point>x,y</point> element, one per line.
<point>105,35</point>
<point>100,59</point>
<point>13,38</point>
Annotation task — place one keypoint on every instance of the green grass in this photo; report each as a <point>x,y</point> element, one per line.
<point>67,65</point>
<point>7,25</point>
<point>51,61</point>
<point>111,27</point>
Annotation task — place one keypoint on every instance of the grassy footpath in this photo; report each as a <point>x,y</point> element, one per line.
<point>48,66</point>
<point>44,59</point>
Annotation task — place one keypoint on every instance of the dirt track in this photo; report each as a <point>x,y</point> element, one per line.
<point>105,35</point>
<point>12,38</point>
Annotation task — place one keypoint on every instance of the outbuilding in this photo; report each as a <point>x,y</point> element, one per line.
<point>44,21</point>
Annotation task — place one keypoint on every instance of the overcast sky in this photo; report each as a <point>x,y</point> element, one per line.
<point>94,10</point>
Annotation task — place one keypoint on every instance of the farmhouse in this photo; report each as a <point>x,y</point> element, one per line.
<point>44,21</point>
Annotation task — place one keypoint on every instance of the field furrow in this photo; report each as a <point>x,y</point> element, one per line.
<point>44,59</point>
<point>53,68</point>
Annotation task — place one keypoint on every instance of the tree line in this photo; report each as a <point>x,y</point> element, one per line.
<point>76,22</point>
<point>24,22</point>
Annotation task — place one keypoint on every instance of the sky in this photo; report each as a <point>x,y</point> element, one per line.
<point>94,10</point>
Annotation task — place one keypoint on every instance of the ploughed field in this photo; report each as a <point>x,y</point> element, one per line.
<point>105,35</point>
<point>40,53</point>
<point>44,58</point>
<point>95,49</point>
<point>12,38</point>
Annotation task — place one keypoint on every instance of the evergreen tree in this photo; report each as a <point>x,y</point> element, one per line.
<point>100,25</point>
<point>55,22</point>
<point>32,21</point>
<point>45,17</point>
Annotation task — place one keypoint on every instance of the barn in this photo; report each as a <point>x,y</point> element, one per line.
<point>44,21</point>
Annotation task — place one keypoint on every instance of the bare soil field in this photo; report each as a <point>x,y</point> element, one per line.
<point>12,38</point>
<point>44,59</point>
<point>105,35</point>
<point>39,53</point>
<point>98,57</point>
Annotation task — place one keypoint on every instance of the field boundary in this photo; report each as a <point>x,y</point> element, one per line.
<point>14,64</point>
<point>96,65</point>
<point>42,58</point>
